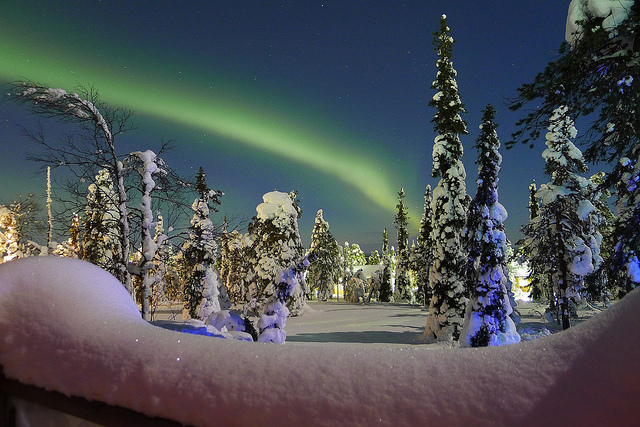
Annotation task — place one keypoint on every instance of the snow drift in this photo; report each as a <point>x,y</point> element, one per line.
<point>69,326</point>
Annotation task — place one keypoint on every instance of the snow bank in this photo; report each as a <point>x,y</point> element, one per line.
<point>67,325</point>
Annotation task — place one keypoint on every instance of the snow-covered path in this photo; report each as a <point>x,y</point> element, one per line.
<point>67,325</point>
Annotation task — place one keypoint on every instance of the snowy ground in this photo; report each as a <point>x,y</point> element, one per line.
<point>384,324</point>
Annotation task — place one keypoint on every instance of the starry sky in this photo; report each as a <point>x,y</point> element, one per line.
<point>329,98</point>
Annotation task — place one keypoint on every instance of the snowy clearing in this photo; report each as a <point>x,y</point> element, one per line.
<point>96,345</point>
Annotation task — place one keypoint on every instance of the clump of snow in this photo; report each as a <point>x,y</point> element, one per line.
<point>613,13</point>
<point>79,332</point>
<point>275,204</point>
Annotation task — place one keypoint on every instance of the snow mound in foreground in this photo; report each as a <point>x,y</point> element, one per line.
<point>67,325</point>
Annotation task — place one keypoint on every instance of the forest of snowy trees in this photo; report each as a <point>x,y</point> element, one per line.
<point>126,212</point>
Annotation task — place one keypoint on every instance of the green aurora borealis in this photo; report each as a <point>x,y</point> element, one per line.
<point>221,115</point>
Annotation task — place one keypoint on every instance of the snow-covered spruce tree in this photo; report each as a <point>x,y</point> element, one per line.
<point>565,232</point>
<point>324,271</point>
<point>9,237</point>
<point>200,249</point>
<point>487,321</point>
<point>421,255</point>
<point>96,150</point>
<point>71,248</point>
<point>539,267</point>
<point>276,247</point>
<point>239,274</point>
<point>449,202</point>
<point>100,240</point>
<point>595,74</point>
<point>386,290</point>
<point>374,258</point>
<point>403,281</point>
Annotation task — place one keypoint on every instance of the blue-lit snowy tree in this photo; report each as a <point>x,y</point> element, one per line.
<point>450,200</point>
<point>487,321</point>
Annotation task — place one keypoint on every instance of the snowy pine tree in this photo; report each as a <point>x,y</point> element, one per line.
<point>100,240</point>
<point>239,273</point>
<point>200,249</point>
<point>487,320</point>
<point>422,256</point>
<point>450,201</point>
<point>9,236</point>
<point>565,232</point>
<point>403,282</point>
<point>374,258</point>
<point>71,248</point>
<point>277,246</point>
<point>325,268</point>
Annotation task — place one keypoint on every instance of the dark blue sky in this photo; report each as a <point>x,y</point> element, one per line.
<point>328,98</point>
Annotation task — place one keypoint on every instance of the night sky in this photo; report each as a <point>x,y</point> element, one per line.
<point>327,98</point>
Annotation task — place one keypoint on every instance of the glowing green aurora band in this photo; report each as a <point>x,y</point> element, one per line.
<point>246,125</point>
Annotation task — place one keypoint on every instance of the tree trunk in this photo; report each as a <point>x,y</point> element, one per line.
<point>563,268</point>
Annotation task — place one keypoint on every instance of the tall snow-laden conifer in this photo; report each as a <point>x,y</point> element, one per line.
<point>403,282</point>
<point>487,321</point>
<point>422,256</point>
<point>200,249</point>
<point>565,232</point>
<point>325,268</point>
<point>450,200</point>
